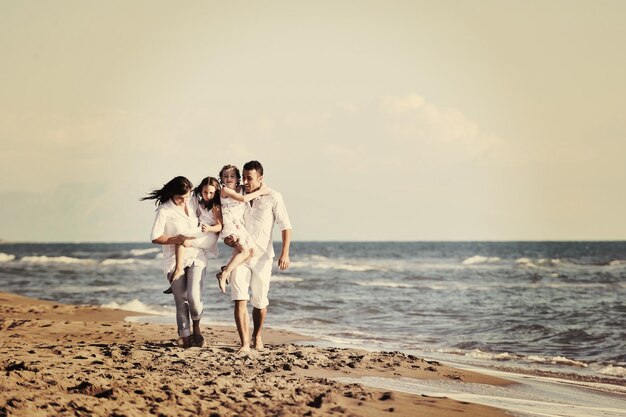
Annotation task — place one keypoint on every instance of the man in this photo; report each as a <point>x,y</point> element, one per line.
<point>260,216</point>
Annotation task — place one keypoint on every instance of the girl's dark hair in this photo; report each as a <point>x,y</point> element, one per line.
<point>197,192</point>
<point>228,167</point>
<point>176,186</point>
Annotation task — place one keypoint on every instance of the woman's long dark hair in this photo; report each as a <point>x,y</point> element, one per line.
<point>176,186</point>
<point>197,192</point>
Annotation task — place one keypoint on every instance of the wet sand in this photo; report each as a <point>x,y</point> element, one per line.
<point>71,360</point>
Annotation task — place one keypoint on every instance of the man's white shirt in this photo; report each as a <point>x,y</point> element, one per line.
<point>260,217</point>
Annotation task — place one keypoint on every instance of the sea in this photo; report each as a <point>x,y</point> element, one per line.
<point>530,306</point>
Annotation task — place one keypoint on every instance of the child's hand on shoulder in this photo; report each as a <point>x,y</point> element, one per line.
<point>264,189</point>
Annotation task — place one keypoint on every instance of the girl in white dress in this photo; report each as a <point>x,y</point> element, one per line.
<point>234,230</point>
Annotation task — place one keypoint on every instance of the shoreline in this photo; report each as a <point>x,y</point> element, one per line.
<point>65,359</point>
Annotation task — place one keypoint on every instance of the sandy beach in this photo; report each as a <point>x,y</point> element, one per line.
<point>82,360</point>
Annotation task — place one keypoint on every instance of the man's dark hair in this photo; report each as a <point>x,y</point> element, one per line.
<point>253,165</point>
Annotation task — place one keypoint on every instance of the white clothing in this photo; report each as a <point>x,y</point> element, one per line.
<point>260,217</point>
<point>170,221</point>
<point>233,223</point>
<point>256,279</point>
<point>187,291</point>
<point>207,242</point>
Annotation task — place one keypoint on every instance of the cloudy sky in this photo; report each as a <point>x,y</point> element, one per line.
<point>377,120</point>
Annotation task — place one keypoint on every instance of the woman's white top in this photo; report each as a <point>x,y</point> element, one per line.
<point>171,220</point>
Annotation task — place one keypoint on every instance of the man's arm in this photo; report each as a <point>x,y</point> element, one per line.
<point>283,260</point>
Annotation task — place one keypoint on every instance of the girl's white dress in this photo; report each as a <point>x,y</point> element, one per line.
<point>205,241</point>
<point>233,224</point>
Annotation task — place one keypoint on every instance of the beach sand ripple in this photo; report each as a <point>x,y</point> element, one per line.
<point>80,360</point>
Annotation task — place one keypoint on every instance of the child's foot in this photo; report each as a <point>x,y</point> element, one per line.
<point>221,281</point>
<point>177,274</point>
<point>171,278</point>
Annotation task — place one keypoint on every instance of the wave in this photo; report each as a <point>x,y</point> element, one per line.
<point>55,259</point>
<point>530,263</point>
<point>141,252</point>
<point>335,266</point>
<point>5,257</point>
<point>92,289</point>
<point>556,360</point>
<point>118,261</point>
<point>285,278</point>
<point>540,359</point>
<point>310,321</point>
<point>525,262</point>
<point>497,356</point>
<point>613,371</point>
<point>135,305</point>
<point>477,260</point>
<point>385,284</point>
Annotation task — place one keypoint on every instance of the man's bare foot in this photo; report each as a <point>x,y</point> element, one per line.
<point>244,350</point>
<point>257,343</point>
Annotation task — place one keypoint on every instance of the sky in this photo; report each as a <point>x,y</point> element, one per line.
<point>376,120</point>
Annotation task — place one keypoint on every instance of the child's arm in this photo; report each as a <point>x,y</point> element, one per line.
<point>217,227</point>
<point>244,198</point>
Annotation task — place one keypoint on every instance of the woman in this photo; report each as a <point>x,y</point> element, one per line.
<point>176,221</point>
<point>205,202</point>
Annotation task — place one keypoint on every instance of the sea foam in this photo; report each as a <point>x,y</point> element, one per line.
<point>118,261</point>
<point>5,257</point>
<point>285,278</point>
<point>477,260</point>
<point>135,305</point>
<point>613,371</point>
<point>556,360</point>
<point>140,252</point>
<point>386,284</point>
<point>55,259</point>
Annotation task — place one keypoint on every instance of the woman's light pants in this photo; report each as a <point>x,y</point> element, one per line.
<point>188,298</point>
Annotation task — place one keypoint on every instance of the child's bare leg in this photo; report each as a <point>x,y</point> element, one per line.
<point>178,269</point>
<point>241,254</point>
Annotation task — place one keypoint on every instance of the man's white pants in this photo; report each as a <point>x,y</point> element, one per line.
<point>246,280</point>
